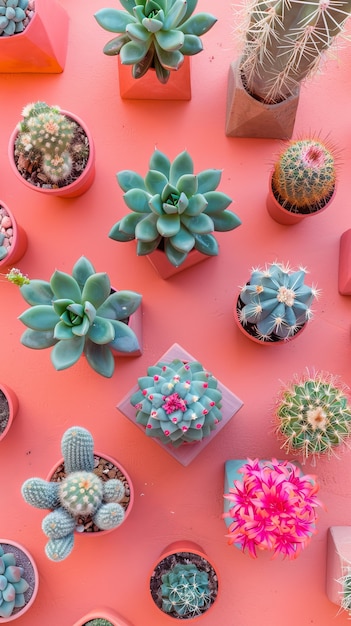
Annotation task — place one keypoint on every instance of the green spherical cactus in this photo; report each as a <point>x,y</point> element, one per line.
<point>77,447</point>
<point>13,17</point>
<point>185,591</point>
<point>304,175</point>
<point>79,314</point>
<point>178,402</point>
<point>154,34</point>
<point>275,303</point>
<point>81,493</point>
<point>12,585</point>
<point>174,209</point>
<point>313,415</point>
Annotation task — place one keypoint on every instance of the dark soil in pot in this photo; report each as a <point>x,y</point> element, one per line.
<point>105,470</point>
<point>4,412</point>
<point>32,172</point>
<point>167,564</point>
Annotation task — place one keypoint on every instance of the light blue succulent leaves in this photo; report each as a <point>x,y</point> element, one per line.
<point>154,34</point>
<point>78,315</point>
<point>174,208</point>
<point>12,16</point>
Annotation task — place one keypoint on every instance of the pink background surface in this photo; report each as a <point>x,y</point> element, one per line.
<point>194,309</point>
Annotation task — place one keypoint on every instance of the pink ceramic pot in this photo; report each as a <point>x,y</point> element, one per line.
<point>104,613</point>
<point>19,245</point>
<point>12,401</point>
<point>148,87</point>
<point>74,189</point>
<point>30,570</point>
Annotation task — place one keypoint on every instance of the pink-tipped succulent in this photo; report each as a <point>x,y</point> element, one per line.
<point>272,507</point>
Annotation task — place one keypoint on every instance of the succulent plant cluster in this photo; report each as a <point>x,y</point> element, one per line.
<point>284,42</point>
<point>154,34</point>
<point>78,315</point>
<point>80,494</point>
<point>12,584</point>
<point>185,591</point>
<point>173,208</point>
<point>272,507</point>
<point>304,175</point>
<point>275,303</point>
<point>178,402</point>
<point>12,16</point>
<point>313,414</point>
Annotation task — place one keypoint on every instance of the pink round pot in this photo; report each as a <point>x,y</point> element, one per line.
<point>285,217</point>
<point>19,245</point>
<point>124,472</point>
<point>74,189</point>
<point>12,401</point>
<point>255,339</point>
<point>176,548</point>
<point>104,613</point>
<point>34,574</point>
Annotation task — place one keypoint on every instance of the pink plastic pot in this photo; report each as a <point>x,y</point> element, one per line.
<point>19,245</point>
<point>30,573</point>
<point>77,187</point>
<point>12,401</point>
<point>104,613</point>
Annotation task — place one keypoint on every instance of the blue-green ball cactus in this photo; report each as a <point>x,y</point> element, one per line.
<point>12,17</point>
<point>12,584</point>
<point>81,494</point>
<point>173,208</point>
<point>178,402</point>
<point>275,303</point>
<point>185,591</point>
<point>154,34</point>
<point>77,314</point>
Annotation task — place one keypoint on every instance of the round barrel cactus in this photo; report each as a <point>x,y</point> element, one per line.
<point>185,591</point>
<point>178,402</point>
<point>304,175</point>
<point>313,414</point>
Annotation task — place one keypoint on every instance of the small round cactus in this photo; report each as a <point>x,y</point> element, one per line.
<point>185,591</point>
<point>178,402</point>
<point>12,584</point>
<point>12,17</point>
<point>313,415</point>
<point>304,176</point>
<point>81,493</point>
<point>275,303</point>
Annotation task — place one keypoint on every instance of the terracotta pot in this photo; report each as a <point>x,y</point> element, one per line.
<point>19,245</point>
<point>338,560</point>
<point>104,613</point>
<point>41,48</point>
<point>148,87</point>
<point>344,278</point>
<point>77,187</point>
<point>128,508</point>
<point>185,453</point>
<point>13,404</point>
<point>25,559</point>
<point>186,547</point>
<point>248,117</point>
<point>284,216</point>
<point>164,267</point>
<point>247,334</point>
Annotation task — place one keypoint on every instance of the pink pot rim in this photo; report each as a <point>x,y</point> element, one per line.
<point>12,400</point>
<point>24,609</point>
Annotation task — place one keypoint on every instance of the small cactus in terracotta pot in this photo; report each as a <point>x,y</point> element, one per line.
<point>303,180</point>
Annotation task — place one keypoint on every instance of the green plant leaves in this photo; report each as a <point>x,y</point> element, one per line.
<point>198,24</point>
<point>208,180</point>
<point>38,339</point>
<point>199,224</point>
<point>37,292</point>
<point>146,229</point>
<point>81,271</point>
<point>191,45</point>
<point>67,352</point>
<point>133,52</point>
<point>127,179</point>
<point>182,164</point>
<point>160,162</point>
<point>100,358</point>
<point>40,317</point>
<point>207,244</point>
<point>183,241</point>
<point>225,221</point>
<point>65,286</point>
<point>113,20</point>
<point>137,200</point>
<point>155,181</point>
<point>118,235</point>
<point>170,40</point>
<point>120,305</point>
<point>168,225</point>
<point>101,332</point>
<point>125,339</point>
<point>96,289</point>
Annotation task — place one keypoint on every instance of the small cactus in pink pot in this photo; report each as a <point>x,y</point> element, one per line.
<point>304,175</point>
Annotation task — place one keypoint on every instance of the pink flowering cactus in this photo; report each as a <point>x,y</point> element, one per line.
<point>272,507</point>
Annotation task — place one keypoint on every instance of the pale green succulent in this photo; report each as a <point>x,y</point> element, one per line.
<point>78,315</point>
<point>173,208</point>
<point>154,34</point>
<point>12,16</point>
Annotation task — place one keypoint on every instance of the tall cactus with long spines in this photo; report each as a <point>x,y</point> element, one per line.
<point>284,41</point>
<point>304,175</point>
<point>81,494</point>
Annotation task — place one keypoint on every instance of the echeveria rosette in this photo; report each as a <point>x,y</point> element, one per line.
<point>174,207</point>
<point>272,507</point>
<point>178,402</point>
<point>276,301</point>
<point>154,34</point>
<point>78,314</point>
